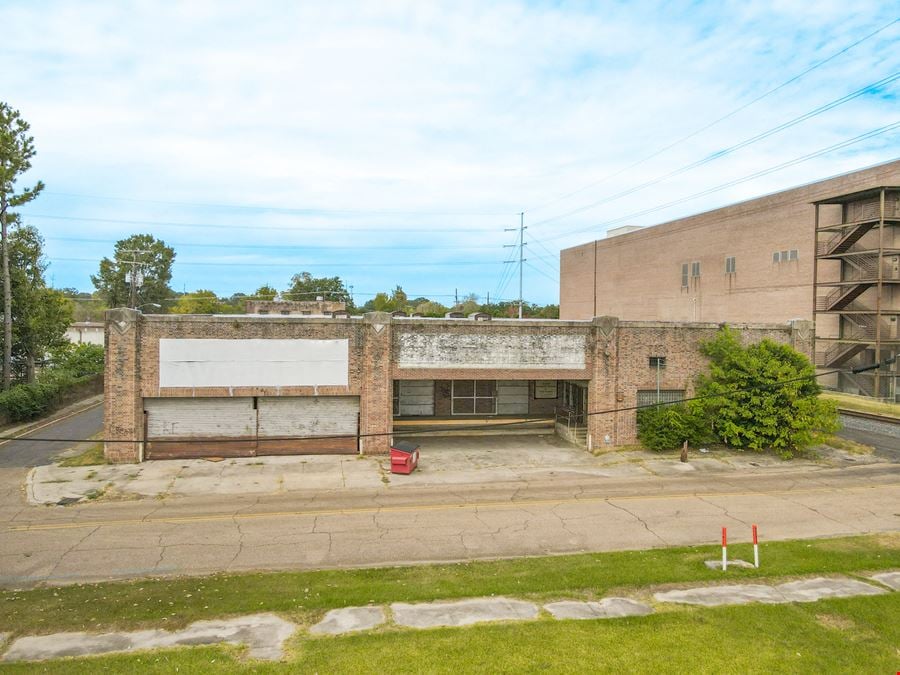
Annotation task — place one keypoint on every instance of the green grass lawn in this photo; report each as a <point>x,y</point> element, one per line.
<point>305,595</point>
<point>855,635</point>
<point>862,403</point>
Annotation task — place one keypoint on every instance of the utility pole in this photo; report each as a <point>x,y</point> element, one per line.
<point>136,276</point>
<point>522,259</point>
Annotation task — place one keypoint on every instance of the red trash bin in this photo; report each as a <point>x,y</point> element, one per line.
<point>404,457</point>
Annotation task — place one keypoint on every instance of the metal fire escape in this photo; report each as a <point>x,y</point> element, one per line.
<point>856,280</point>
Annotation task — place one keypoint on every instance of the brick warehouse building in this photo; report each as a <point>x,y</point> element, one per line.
<point>828,251</point>
<point>213,385</point>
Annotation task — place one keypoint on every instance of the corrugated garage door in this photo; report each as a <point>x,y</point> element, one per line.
<point>200,427</point>
<point>179,428</point>
<point>416,398</point>
<point>512,397</point>
<point>291,425</point>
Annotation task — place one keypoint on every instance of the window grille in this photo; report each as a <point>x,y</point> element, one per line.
<point>647,397</point>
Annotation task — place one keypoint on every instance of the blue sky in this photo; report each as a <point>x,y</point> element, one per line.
<point>394,142</point>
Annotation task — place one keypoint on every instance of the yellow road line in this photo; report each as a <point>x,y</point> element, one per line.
<point>51,423</point>
<point>431,507</point>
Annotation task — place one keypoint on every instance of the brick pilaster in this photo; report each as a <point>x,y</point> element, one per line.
<point>123,416</point>
<point>376,400</point>
<point>803,335</point>
<point>603,386</point>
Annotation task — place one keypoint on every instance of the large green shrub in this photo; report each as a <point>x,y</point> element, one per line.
<point>667,427</point>
<point>762,396</point>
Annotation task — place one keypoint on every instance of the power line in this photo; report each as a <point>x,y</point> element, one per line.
<point>283,209</point>
<point>818,153</point>
<point>218,226</point>
<point>727,151</point>
<point>717,121</point>
<point>475,427</point>
<point>305,264</point>
<point>281,246</point>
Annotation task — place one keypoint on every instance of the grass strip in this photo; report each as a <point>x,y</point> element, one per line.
<point>176,602</point>
<point>832,636</point>
<point>862,403</point>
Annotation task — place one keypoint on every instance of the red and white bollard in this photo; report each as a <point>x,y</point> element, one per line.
<point>755,548</point>
<point>724,550</point>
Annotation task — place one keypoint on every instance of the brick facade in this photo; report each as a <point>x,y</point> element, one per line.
<point>638,275</point>
<point>611,355</point>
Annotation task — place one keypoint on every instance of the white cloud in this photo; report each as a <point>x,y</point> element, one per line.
<point>464,106</point>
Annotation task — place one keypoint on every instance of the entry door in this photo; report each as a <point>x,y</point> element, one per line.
<point>512,397</point>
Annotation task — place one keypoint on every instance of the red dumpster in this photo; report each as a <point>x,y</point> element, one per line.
<point>404,457</point>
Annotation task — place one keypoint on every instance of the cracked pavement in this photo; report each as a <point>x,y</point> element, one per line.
<point>529,513</point>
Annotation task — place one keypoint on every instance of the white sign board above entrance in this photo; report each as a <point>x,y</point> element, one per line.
<point>482,350</point>
<point>253,363</point>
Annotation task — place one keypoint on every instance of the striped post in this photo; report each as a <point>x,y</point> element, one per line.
<point>724,549</point>
<point>755,548</point>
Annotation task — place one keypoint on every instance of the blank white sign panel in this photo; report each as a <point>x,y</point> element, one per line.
<point>253,363</point>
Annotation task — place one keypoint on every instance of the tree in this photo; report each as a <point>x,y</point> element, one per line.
<point>138,274</point>
<point>16,151</point>
<point>763,396</point>
<point>305,286</point>
<point>199,302</point>
<point>265,292</point>
<point>40,315</point>
<point>430,308</point>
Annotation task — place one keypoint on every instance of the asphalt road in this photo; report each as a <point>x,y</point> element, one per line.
<point>23,454</point>
<point>885,446</point>
<point>402,525</point>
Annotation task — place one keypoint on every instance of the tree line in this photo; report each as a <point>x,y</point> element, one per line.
<point>138,274</point>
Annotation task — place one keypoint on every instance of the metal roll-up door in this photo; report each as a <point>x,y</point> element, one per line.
<point>291,425</point>
<point>512,397</point>
<point>180,428</point>
<point>417,398</point>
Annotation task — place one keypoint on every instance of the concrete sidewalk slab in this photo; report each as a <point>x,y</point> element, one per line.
<point>264,634</point>
<point>608,608</point>
<point>462,613</point>
<point>348,620</point>
<point>715,596</point>
<point>889,579</point>
<point>811,590</point>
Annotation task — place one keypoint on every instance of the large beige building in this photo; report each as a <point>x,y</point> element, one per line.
<point>827,251</point>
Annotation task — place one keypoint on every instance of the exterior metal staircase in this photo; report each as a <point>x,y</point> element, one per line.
<point>844,239</point>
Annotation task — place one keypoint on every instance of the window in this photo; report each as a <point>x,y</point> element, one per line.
<point>396,410</point>
<point>785,256</point>
<point>695,269</point>
<point>474,397</point>
<point>657,362</point>
<point>263,311</point>
<point>306,312</point>
<point>648,397</point>
<point>730,265</point>
<point>286,312</point>
<point>684,275</point>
